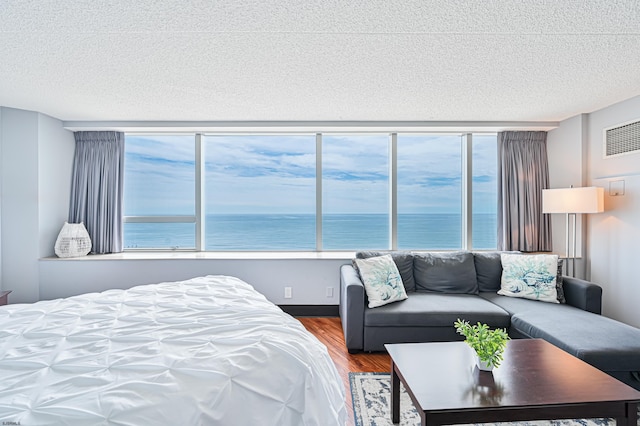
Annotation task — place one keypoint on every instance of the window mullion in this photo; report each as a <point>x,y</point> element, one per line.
<point>467,192</point>
<point>200,214</point>
<point>393,190</point>
<point>318,192</point>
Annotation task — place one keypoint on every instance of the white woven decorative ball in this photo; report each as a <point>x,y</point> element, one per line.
<point>73,241</point>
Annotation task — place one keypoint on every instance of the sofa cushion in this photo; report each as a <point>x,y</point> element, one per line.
<point>436,310</point>
<point>511,304</point>
<point>602,342</point>
<point>488,270</point>
<point>402,259</point>
<point>381,280</point>
<point>452,273</point>
<point>529,276</point>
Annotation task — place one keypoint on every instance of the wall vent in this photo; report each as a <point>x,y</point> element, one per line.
<point>622,139</point>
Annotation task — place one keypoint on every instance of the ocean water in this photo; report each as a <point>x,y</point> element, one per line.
<point>246,232</point>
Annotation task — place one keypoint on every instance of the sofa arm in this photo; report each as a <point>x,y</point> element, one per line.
<point>582,294</point>
<point>352,308</point>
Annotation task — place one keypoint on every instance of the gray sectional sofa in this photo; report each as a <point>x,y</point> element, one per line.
<point>443,287</point>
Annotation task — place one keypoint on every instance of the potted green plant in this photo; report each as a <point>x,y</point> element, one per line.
<point>488,344</point>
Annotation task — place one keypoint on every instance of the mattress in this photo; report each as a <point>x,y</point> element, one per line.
<point>206,351</point>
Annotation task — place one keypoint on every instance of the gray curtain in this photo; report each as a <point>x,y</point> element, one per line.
<point>523,172</point>
<point>97,187</point>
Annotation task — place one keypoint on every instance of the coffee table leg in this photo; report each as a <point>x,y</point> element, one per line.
<point>395,395</point>
<point>632,415</point>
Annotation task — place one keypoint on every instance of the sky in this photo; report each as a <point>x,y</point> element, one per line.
<point>276,174</point>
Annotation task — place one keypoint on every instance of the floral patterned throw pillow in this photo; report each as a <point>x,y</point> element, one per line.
<point>381,280</point>
<point>529,276</point>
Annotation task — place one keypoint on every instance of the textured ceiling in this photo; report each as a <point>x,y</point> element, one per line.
<point>422,60</point>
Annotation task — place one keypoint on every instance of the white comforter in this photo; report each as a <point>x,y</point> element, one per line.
<point>207,351</point>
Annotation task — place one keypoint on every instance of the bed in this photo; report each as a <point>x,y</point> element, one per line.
<point>206,351</point>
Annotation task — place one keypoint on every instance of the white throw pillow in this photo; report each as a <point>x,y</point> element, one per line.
<point>529,276</point>
<point>381,280</point>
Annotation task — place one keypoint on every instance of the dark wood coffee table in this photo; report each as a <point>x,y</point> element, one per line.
<point>536,381</point>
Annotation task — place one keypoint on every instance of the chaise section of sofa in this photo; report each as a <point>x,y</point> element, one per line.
<point>428,313</point>
<point>609,345</point>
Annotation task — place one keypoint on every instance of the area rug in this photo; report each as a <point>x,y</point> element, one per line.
<point>371,402</point>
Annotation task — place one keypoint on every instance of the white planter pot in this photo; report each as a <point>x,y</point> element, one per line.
<point>483,366</point>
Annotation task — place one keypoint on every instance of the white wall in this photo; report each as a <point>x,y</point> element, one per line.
<point>33,196</point>
<point>309,278</point>
<point>614,236</point>
<point>56,147</point>
<point>566,159</point>
<point>20,204</point>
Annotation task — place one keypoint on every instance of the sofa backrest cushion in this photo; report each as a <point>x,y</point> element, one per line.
<point>402,259</point>
<point>488,270</point>
<point>445,272</point>
<point>381,279</point>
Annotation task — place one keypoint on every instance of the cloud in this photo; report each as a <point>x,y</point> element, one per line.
<point>266,195</point>
<point>355,157</point>
<point>260,156</point>
<point>276,173</point>
<point>174,147</point>
<point>260,174</point>
<point>159,175</point>
<point>344,196</point>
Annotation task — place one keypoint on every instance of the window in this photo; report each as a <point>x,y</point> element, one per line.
<point>159,192</point>
<point>429,192</point>
<point>262,192</point>
<point>355,192</point>
<point>484,190</point>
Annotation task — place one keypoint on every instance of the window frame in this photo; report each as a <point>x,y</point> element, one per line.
<point>391,164</point>
<point>199,217</point>
<point>195,218</point>
<point>201,194</point>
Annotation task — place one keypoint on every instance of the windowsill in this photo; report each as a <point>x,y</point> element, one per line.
<point>222,255</point>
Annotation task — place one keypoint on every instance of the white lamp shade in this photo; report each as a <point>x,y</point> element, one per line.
<point>573,200</point>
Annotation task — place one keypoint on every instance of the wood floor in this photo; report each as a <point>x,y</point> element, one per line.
<point>329,332</point>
